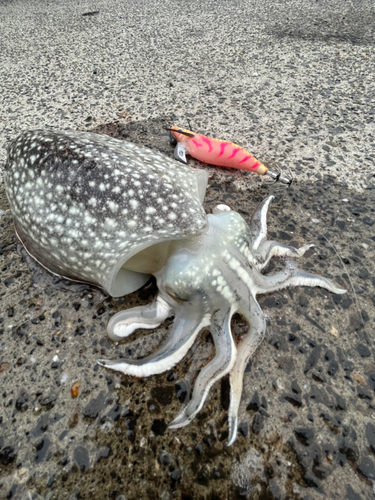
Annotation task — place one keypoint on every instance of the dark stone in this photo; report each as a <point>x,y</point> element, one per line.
<point>216,474</point>
<point>320,472</point>
<point>313,358</point>
<point>258,423</point>
<point>314,323</point>
<point>159,427</point>
<point>319,395</point>
<point>304,435</point>
<point>306,455</point>
<point>175,475</point>
<point>294,399</point>
<point>94,406</point>
<point>198,449</point>
<point>80,330</point>
<point>50,481</point>
<point>81,458</point>
<point>371,381</point>
<point>363,351</point>
<point>286,363</point>
<point>332,368</point>
<point>282,236</point>
<point>225,393</point>
<point>351,494</point>
<point>131,423</point>
<point>292,338</point>
<point>153,406</point>
<point>275,491</point>
<point>165,459</point>
<point>272,302</point>
<point>364,274</point>
<point>363,393</point>
<point>370,435</point>
<point>202,478</point>
<point>42,448</point>
<point>254,404</point>
<point>330,421</point>
<point>49,401</point>
<point>163,394</point>
<point>368,221</point>
<point>347,448</point>
<point>7,455</point>
<point>329,355</point>
<point>243,429</point>
<point>310,480</point>
<point>182,391</point>
<point>303,301</point>
<point>103,453</point>
<point>22,401</point>
<point>115,413</point>
<point>130,434</point>
<point>367,468</point>
<point>340,403</point>
<point>318,378</point>
<point>295,387</point>
<point>41,426</point>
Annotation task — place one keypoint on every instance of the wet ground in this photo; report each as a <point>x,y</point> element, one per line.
<point>292,82</point>
<point>305,421</point>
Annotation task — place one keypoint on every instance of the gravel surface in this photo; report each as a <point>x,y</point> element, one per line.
<point>293,82</point>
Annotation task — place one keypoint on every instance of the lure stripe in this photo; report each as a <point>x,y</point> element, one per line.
<point>208,142</point>
<point>235,151</point>
<point>246,158</point>
<point>222,147</point>
<point>196,143</point>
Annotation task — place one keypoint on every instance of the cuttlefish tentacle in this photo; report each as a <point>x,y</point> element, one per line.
<point>124,323</point>
<point>185,330</point>
<point>258,223</point>
<point>269,249</point>
<point>292,276</point>
<point>264,249</point>
<point>219,366</point>
<point>257,327</point>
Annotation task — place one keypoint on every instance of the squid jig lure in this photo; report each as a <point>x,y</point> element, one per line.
<point>217,152</point>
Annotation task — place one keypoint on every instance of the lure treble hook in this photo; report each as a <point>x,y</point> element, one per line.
<point>278,178</point>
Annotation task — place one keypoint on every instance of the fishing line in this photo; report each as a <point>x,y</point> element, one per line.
<point>280,188</point>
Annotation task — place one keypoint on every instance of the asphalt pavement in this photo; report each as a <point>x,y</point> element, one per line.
<point>292,82</point>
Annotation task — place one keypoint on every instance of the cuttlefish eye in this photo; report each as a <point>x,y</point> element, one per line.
<point>175,296</point>
<point>221,208</point>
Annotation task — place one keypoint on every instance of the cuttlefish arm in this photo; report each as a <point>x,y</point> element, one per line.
<point>264,249</point>
<point>186,326</point>
<point>252,312</point>
<point>124,323</point>
<point>220,365</point>
<point>246,348</point>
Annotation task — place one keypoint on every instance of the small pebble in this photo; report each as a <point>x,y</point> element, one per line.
<point>74,390</point>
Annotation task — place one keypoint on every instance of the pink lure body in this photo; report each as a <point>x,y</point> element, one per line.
<point>217,152</point>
